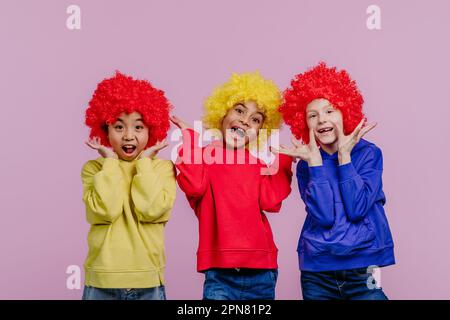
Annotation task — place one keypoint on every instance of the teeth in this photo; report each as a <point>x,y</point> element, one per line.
<point>239,131</point>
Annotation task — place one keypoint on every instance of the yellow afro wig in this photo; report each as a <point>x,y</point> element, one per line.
<point>242,88</point>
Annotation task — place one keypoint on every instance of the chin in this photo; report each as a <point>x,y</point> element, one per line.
<point>127,157</point>
<point>328,141</point>
<point>235,144</point>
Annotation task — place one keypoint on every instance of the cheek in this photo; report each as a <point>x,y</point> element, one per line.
<point>337,118</point>
<point>311,123</point>
<point>226,121</point>
<point>143,139</point>
<point>114,138</point>
<point>256,126</point>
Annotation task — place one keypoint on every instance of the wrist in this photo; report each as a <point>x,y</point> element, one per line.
<point>344,158</point>
<point>314,162</point>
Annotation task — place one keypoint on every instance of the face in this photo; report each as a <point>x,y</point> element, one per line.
<point>320,116</point>
<point>128,135</point>
<point>241,124</point>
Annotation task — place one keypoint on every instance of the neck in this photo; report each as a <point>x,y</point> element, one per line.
<point>329,148</point>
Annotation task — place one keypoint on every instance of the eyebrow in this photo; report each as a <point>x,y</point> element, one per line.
<point>134,120</point>
<point>324,107</point>
<point>243,105</point>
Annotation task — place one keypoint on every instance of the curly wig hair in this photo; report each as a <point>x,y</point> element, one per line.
<point>326,83</point>
<point>122,93</point>
<point>242,88</point>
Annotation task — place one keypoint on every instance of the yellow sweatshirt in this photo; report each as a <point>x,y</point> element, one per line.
<point>127,205</point>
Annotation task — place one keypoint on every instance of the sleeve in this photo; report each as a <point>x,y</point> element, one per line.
<point>316,193</point>
<point>360,189</point>
<point>153,190</point>
<point>275,184</point>
<point>192,177</point>
<point>102,191</point>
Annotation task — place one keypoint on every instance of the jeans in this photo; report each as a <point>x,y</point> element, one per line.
<point>92,293</point>
<point>240,284</point>
<point>355,284</point>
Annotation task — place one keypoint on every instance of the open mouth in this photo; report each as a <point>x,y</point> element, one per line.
<point>239,131</point>
<point>128,148</point>
<point>323,130</point>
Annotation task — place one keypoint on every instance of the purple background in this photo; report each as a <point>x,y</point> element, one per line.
<point>48,74</point>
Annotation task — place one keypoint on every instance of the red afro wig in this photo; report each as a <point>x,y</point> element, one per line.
<point>122,93</point>
<point>326,83</point>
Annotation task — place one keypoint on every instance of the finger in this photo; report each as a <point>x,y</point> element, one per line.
<point>161,145</point>
<point>175,120</point>
<point>358,128</point>
<point>366,129</point>
<point>90,145</point>
<point>295,142</point>
<point>282,151</point>
<point>312,137</point>
<point>339,129</point>
<point>140,154</point>
<point>98,141</point>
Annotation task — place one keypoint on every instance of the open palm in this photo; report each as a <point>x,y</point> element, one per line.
<point>153,150</point>
<point>308,152</point>
<point>105,152</point>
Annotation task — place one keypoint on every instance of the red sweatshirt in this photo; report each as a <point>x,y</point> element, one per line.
<point>229,200</point>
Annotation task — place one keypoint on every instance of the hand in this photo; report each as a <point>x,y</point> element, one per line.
<point>308,152</point>
<point>347,143</point>
<point>104,151</point>
<point>153,150</point>
<point>179,123</point>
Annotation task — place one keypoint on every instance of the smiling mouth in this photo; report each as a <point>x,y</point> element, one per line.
<point>323,130</point>
<point>128,149</point>
<point>239,131</point>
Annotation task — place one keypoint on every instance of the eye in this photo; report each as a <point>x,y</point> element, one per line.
<point>311,116</point>
<point>239,110</point>
<point>256,120</point>
<point>139,127</point>
<point>118,127</point>
<point>330,111</point>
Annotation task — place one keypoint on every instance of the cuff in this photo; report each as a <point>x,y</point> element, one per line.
<point>317,173</point>
<point>346,171</point>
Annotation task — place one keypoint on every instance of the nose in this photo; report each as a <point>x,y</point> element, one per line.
<point>128,136</point>
<point>322,118</point>
<point>244,120</point>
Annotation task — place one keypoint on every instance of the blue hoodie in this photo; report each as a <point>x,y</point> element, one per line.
<point>345,225</point>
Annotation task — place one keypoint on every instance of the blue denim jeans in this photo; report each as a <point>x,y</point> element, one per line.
<point>240,284</point>
<point>92,293</point>
<point>355,284</point>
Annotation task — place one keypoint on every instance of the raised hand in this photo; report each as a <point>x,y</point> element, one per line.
<point>105,152</point>
<point>153,150</point>
<point>179,123</point>
<point>347,143</point>
<point>308,152</point>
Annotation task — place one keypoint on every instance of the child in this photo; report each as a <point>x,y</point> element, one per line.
<point>236,250</point>
<point>128,192</point>
<point>346,232</point>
